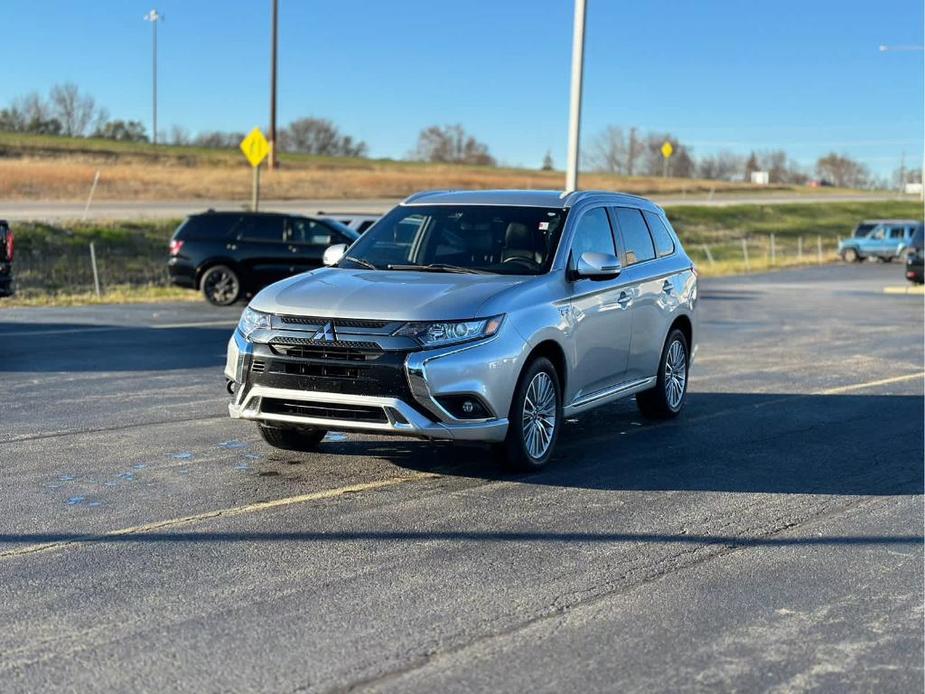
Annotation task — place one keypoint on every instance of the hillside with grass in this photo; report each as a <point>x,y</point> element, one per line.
<point>43,167</point>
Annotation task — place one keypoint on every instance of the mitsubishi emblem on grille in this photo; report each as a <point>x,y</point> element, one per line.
<point>326,333</point>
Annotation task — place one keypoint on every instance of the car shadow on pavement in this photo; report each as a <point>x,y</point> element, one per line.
<point>79,347</point>
<point>723,442</point>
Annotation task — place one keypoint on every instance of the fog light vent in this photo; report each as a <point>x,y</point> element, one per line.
<point>464,406</point>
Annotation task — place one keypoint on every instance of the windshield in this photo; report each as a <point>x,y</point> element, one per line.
<point>863,230</point>
<point>465,238</point>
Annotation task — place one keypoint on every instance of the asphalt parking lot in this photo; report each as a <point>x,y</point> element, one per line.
<point>769,539</point>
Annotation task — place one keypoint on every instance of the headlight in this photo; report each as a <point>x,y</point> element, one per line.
<point>451,332</point>
<point>252,320</point>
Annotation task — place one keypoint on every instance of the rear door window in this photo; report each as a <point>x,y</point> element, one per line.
<point>897,232</point>
<point>664,243</point>
<point>637,243</point>
<point>313,233</point>
<point>266,229</point>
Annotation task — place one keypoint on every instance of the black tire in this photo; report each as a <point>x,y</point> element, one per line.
<point>514,452</point>
<point>657,402</point>
<point>850,255</point>
<point>291,438</point>
<point>220,285</point>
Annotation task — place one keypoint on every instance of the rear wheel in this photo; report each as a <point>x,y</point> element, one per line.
<point>220,285</point>
<point>667,398</point>
<point>291,438</point>
<point>850,255</point>
<point>534,420</point>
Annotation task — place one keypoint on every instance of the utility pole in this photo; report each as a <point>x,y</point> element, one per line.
<point>574,124</point>
<point>274,159</point>
<point>154,17</point>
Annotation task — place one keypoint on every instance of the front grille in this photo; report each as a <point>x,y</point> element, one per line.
<point>343,351</point>
<point>338,322</point>
<point>325,410</point>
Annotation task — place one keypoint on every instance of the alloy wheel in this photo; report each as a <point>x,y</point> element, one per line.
<point>675,374</point>
<point>539,415</point>
<point>221,286</point>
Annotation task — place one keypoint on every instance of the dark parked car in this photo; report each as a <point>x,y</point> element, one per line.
<point>227,255</point>
<point>6,259</point>
<point>914,256</point>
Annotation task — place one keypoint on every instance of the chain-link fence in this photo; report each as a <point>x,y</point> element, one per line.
<point>52,260</point>
<point>763,252</point>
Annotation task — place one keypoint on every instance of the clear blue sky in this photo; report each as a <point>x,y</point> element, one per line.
<point>804,76</point>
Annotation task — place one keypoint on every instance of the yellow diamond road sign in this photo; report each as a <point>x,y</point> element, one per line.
<point>667,149</point>
<point>255,147</point>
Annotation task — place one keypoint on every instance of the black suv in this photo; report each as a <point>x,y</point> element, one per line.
<point>6,259</point>
<point>230,254</point>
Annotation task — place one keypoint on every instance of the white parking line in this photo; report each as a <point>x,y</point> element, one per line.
<point>225,512</point>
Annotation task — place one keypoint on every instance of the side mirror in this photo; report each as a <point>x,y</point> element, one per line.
<point>597,266</point>
<point>333,253</point>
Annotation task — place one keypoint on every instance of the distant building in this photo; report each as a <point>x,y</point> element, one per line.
<point>760,178</point>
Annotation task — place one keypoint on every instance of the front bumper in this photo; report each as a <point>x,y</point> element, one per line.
<point>397,392</point>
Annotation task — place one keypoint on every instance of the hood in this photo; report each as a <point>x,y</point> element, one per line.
<point>388,295</point>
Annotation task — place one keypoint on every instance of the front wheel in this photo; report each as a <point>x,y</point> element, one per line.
<point>291,439</point>
<point>220,285</point>
<point>534,420</point>
<point>666,399</point>
<point>850,255</point>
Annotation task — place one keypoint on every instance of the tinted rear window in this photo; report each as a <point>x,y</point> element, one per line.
<point>206,227</point>
<point>919,236</point>
<point>637,243</point>
<point>664,244</point>
<point>261,228</point>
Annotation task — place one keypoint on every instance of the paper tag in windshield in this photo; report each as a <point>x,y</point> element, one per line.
<point>544,226</point>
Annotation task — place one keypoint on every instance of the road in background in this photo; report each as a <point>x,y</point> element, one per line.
<point>36,210</point>
<point>769,537</point>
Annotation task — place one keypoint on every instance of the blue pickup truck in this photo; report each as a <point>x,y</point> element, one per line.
<point>885,239</point>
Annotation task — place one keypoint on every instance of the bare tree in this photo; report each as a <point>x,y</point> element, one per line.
<point>634,150</point>
<point>607,151</point>
<point>842,170</point>
<point>74,110</point>
<point>722,166</point>
<point>751,166</point>
<point>319,136</point>
<point>452,145</point>
<point>179,135</point>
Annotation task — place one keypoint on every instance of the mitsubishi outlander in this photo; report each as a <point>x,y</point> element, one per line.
<point>484,316</point>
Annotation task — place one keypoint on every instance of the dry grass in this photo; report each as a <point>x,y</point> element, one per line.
<point>115,294</point>
<point>69,178</point>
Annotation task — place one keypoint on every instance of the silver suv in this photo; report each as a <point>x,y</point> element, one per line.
<point>474,316</point>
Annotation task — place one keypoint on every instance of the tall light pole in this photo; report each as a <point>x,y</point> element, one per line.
<point>574,121</point>
<point>274,160</point>
<point>154,17</point>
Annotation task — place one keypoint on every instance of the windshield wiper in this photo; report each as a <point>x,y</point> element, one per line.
<point>361,261</point>
<point>440,267</point>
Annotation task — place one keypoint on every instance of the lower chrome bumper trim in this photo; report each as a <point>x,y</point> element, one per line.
<point>402,419</point>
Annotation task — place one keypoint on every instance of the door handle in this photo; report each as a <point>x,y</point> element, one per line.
<point>294,249</point>
<point>231,247</point>
<point>667,286</point>
<point>625,299</point>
